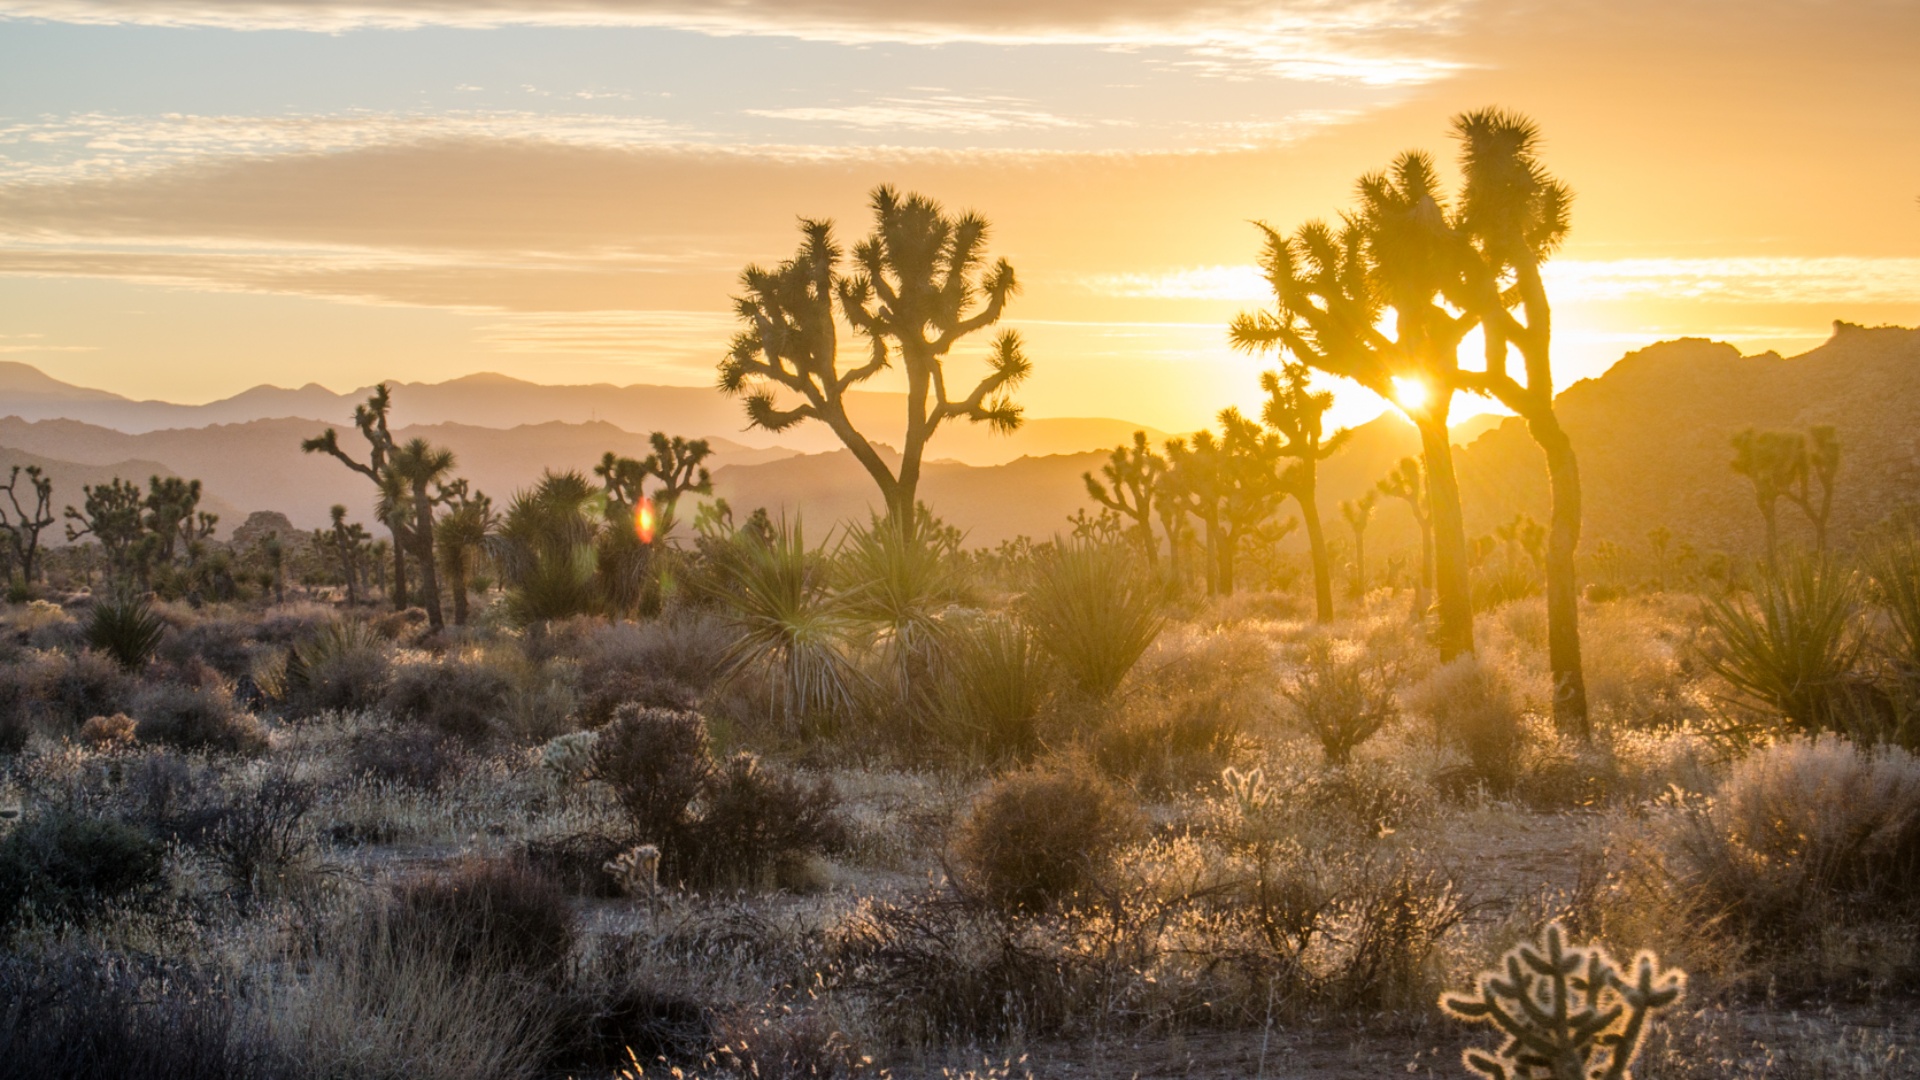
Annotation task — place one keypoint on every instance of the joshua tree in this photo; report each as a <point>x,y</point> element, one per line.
<point>921,285</point>
<point>419,464</point>
<point>1332,289</point>
<point>1822,454</point>
<point>462,533</point>
<point>624,554</point>
<point>371,419</point>
<point>1359,514</point>
<point>1231,483</point>
<point>112,516</point>
<point>1296,412</point>
<point>1775,461</point>
<point>23,527</point>
<point>346,539</point>
<point>1134,475</point>
<point>1512,216</point>
<point>1409,484</point>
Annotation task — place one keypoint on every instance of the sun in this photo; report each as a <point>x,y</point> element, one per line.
<point>1409,393</point>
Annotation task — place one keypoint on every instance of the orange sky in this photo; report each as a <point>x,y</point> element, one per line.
<point>200,196</point>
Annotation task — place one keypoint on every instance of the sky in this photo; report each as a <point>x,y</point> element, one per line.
<point>199,196</point>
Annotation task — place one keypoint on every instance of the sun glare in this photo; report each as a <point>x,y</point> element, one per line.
<point>643,520</point>
<point>1409,393</point>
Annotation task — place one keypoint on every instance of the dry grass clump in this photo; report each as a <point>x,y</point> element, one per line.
<point>1190,710</point>
<point>994,682</point>
<point>1807,859</point>
<point>1042,837</point>
<point>669,663</point>
<point>343,667</point>
<point>464,699</point>
<point>485,915</point>
<point>1342,696</point>
<point>1471,705</point>
<point>416,758</point>
<point>58,866</point>
<point>1636,660</point>
<point>202,717</point>
<point>255,831</point>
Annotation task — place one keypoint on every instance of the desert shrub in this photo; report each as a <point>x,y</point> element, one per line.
<point>666,663</point>
<point>291,623</point>
<point>1160,747</point>
<point>82,686</point>
<point>1342,696</point>
<point>1471,705</point>
<point>15,729</point>
<point>1806,840</point>
<point>195,718</point>
<point>738,824</point>
<point>78,1017</point>
<point>486,915</point>
<point>1094,610</point>
<point>1793,650</point>
<point>462,699</point>
<point>1632,658</point>
<point>342,667</point>
<point>758,825</point>
<point>126,629</point>
<point>1042,836</point>
<point>64,866</point>
<point>993,687</point>
<point>225,645</point>
<point>602,1029</point>
<point>410,757</point>
<point>256,832</point>
<point>163,789</point>
<point>657,763</point>
<point>109,732</point>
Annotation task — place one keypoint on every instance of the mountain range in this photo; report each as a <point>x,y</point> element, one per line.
<point>1652,434</point>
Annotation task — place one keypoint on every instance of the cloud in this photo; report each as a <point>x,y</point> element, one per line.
<point>947,113</point>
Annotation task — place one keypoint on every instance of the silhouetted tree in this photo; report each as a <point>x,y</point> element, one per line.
<point>1296,412</point>
<point>1409,484</point>
<point>1332,290</point>
<point>1359,514</point>
<point>1774,461</point>
<point>1231,483</point>
<point>371,420</point>
<point>1821,449</point>
<point>1512,216</point>
<point>22,526</point>
<point>344,540</point>
<point>112,517</point>
<point>1132,480</point>
<point>921,285</point>
<point>421,465</point>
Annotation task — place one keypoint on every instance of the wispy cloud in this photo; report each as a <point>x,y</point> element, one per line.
<point>1810,280</point>
<point>612,334</point>
<point>948,113</point>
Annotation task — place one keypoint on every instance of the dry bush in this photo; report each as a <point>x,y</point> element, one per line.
<point>255,832</point>
<point>1472,705</point>
<point>657,762</point>
<point>342,667</point>
<point>463,699</point>
<point>196,718</point>
<point>72,689</point>
<point>109,732</point>
<point>1342,696</point>
<point>1160,748</point>
<point>1632,656</point>
<point>74,1016</point>
<point>223,644</point>
<point>485,915</point>
<point>1808,858</point>
<point>423,760</point>
<point>61,866</point>
<point>1043,836</point>
<point>758,826</point>
<point>667,663</point>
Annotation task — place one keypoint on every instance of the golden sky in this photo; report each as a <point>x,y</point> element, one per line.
<point>198,196</point>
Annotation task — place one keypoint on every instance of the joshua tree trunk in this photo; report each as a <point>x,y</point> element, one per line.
<point>1317,544</point>
<point>1360,563</point>
<point>1563,593</point>
<point>423,537</point>
<point>1452,591</point>
<point>1768,511</point>
<point>400,545</point>
<point>457,583</point>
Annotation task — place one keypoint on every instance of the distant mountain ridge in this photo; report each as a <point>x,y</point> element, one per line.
<point>492,400</point>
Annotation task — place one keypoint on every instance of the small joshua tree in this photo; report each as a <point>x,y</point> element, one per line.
<point>1359,514</point>
<point>1407,482</point>
<point>1568,1012</point>
<point>1132,481</point>
<point>1776,462</point>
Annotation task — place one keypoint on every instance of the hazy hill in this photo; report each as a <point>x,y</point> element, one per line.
<point>497,401</point>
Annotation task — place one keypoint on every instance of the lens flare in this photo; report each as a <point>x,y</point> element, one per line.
<point>643,520</point>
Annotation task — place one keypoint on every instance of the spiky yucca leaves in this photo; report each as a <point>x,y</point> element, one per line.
<point>775,594</point>
<point>1095,610</point>
<point>894,584</point>
<point>545,549</point>
<point>1568,1012</point>
<point>994,685</point>
<point>1896,590</point>
<point>126,629</point>
<point>1793,648</point>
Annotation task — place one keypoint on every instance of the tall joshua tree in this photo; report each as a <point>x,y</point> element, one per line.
<point>371,420</point>
<point>1296,412</point>
<point>1359,514</point>
<point>419,464</point>
<point>1132,479</point>
<point>23,527</point>
<point>111,516</point>
<point>346,538</point>
<point>1774,461</point>
<point>1513,215</point>
<point>920,285</point>
<point>1332,289</point>
<point>460,535</point>
<point>1408,484</point>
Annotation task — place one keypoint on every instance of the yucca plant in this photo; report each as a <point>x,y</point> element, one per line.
<point>775,594</point>
<point>1792,649</point>
<point>994,685</point>
<point>895,584</point>
<point>126,629</point>
<point>1896,590</point>
<point>545,549</point>
<point>1095,610</point>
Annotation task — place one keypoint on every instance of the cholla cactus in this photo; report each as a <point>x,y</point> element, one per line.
<point>565,758</point>
<point>1249,788</point>
<point>637,871</point>
<point>1567,1011</point>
